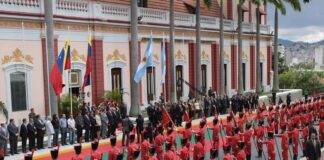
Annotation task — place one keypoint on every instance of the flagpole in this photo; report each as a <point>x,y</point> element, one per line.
<point>70,74</point>
<point>153,76</point>
<point>25,67</point>
<point>163,87</point>
<point>89,34</point>
<point>47,70</point>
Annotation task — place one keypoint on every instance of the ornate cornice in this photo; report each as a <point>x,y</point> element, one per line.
<point>17,56</point>
<point>77,57</point>
<point>116,56</point>
<point>204,56</point>
<point>180,56</point>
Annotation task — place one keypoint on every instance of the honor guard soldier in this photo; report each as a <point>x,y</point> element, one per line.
<point>247,135</point>
<point>270,145</point>
<point>295,141</point>
<point>199,152</point>
<point>259,132</point>
<point>54,153</point>
<point>145,146</point>
<point>202,130</point>
<point>241,154</point>
<point>158,143</point>
<point>227,150</point>
<point>169,154</point>
<point>152,152</point>
<point>184,151</point>
<point>95,155</point>
<point>77,149</point>
<point>284,142</point>
<point>133,152</point>
<point>114,150</point>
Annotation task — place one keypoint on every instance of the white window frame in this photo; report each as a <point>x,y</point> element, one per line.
<point>18,67</point>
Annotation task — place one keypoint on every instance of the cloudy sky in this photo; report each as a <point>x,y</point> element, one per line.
<point>307,25</point>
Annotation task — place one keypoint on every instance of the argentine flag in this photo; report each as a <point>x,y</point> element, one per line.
<point>146,61</point>
<point>163,62</point>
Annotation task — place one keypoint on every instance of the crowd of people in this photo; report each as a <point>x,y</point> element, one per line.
<point>90,123</point>
<point>286,120</point>
<point>294,124</point>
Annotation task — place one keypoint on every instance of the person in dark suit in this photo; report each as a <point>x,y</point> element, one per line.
<point>56,125</point>
<point>311,129</point>
<point>126,129</point>
<point>93,126</point>
<point>87,126</point>
<point>313,148</point>
<point>139,126</point>
<point>13,136</point>
<point>40,128</point>
<point>31,129</point>
<point>23,134</point>
<point>123,110</point>
<point>79,123</point>
<point>110,122</point>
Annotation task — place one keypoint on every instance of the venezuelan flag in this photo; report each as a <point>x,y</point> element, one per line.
<point>87,79</point>
<point>63,62</point>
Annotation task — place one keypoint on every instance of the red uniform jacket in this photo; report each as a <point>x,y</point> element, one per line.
<point>131,149</point>
<point>215,136</point>
<point>202,133</point>
<point>113,153</point>
<point>228,157</point>
<point>228,127</point>
<point>145,146</point>
<point>198,151</point>
<point>169,155</point>
<point>271,151</point>
<point>321,130</point>
<point>241,155</point>
<point>153,158</point>
<point>295,140</point>
<point>187,133</point>
<point>77,158</point>
<point>184,153</point>
<point>158,142</point>
<point>96,156</point>
<point>247,138</point>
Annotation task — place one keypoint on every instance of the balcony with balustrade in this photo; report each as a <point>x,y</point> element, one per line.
<point>90,10</point>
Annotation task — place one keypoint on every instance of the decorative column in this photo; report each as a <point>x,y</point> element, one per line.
<point>97,76</point>
<point>234,66</point>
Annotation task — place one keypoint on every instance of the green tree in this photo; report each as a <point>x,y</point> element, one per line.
<point>114,95</point>
<point>4,110</point>
<point>65,104</point>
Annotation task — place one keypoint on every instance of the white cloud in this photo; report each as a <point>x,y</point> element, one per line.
<point>306,34</point>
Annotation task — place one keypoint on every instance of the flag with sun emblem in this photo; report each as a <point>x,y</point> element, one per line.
<point>146,61</point>
<point>163,61</point>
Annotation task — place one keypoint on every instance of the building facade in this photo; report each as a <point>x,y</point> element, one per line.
<point>23,66</point>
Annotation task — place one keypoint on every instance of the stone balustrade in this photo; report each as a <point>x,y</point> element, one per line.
<point>112,12</point>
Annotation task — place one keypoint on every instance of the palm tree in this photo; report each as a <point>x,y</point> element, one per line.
<point>135,101</point>
<point>240,80</point>
<point>171,56</point>
<point>198,43</point>
<point>279,5</point>
<point>221,44</point>
<point>258,85</point>
<point>50,53</point>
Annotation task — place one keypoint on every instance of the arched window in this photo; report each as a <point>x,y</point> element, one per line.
<point>116,79</point>
<point>18,87</point>
<point>18,78</point>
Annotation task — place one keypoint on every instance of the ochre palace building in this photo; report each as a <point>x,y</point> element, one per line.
<point>23,62</point>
